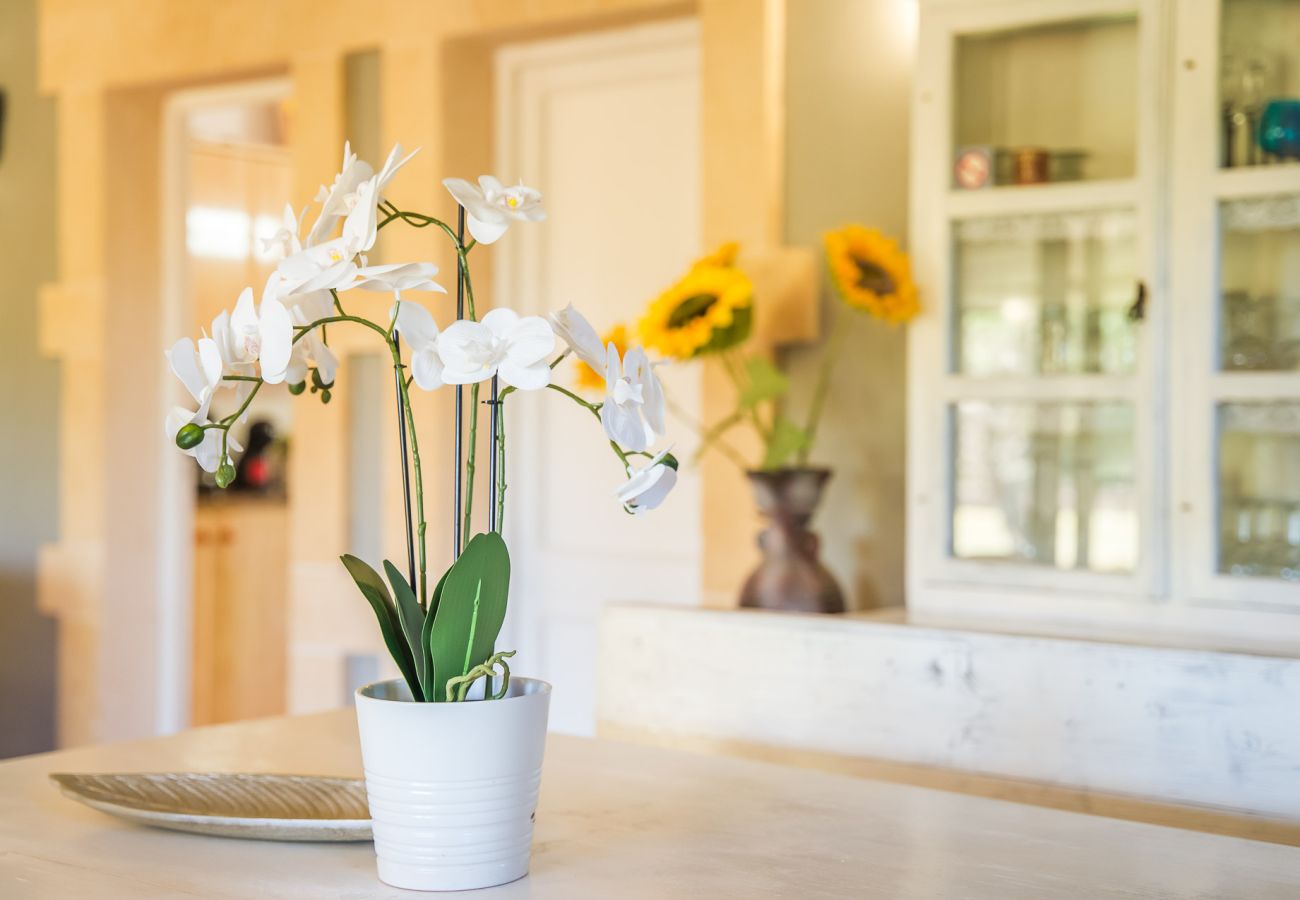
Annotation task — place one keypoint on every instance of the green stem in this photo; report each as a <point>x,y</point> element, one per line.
<point>470,464</point>
<point>501,464</point>
<point>234,417</point>
<point>735,370</point>
<point>711,437</point>
<point>820,392</point>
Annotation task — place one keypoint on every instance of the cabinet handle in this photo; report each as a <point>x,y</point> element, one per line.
<point>1138,311</point>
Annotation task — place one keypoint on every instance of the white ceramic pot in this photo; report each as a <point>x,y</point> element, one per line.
<point>452,787</point>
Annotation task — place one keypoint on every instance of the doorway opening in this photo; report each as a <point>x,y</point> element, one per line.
<point>223,561</point>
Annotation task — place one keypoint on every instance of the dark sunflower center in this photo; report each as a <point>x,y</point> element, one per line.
<point>691,309</point>
<point>873,278</point>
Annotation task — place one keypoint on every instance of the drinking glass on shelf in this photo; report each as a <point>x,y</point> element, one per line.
<point>1246,82</point>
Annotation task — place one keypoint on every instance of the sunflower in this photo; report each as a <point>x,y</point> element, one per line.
<point>710,308</point>
<point>871,273</point>
<point>722,258</point>
<point>588,378</point>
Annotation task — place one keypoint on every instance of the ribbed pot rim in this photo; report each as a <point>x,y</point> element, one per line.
<point>539,687</point>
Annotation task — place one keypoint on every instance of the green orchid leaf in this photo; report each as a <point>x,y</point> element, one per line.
<point>429,668</point>
<point>376,593</point>
<point>411,618</point>
<point>765,382</point>
<point>471,610</point>
<point>786,440</point>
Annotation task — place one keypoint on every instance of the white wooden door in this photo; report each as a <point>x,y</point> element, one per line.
<point>607,127</point>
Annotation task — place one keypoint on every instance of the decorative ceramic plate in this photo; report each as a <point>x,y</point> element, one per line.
<point>261,807</point>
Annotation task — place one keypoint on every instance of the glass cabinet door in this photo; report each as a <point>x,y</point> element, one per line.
<point>1045,484</point>
<point>1259,489</point>
<point>1249,406</point>
<point>1044,306</point>
<point>1046,295</point>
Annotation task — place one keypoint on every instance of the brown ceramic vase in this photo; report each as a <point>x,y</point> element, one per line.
<point>790,576</point>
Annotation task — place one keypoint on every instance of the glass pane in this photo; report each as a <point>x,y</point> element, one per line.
<point>1259,282</point>
<point>1046,295</point>
<point>1259,489</point>
<point>1052,103</point>
<point>1047,484</point>
<point>1259,82</point>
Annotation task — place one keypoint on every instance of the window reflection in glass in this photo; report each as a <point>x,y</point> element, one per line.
<point>1046,484</point>
<point>1046,294</point>
<point>1259,489</point>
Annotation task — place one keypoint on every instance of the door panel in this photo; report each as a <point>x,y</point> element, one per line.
<point>607,127</point>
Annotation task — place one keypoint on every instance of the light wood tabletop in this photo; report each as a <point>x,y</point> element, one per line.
<point>620,820</point>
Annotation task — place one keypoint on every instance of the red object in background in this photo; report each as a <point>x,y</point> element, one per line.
<point>257,472</point>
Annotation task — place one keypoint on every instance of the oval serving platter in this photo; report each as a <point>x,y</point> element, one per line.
<point>259,807</point>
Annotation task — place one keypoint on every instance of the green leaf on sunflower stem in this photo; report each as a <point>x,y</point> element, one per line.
<point>766,382</point>
<point>411,618</point>
<point>376,593</point>
<point>470,611</point>
<point>786,440</point>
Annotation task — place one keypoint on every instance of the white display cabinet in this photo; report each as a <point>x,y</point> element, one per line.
<point>1104,386</point>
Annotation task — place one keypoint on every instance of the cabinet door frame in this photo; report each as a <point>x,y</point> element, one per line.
<point>936,581</point>
<point>1198,184</point>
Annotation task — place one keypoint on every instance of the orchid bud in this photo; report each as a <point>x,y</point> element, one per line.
<point>189,437</point>
<point>225,475</point>
<point>298,388</point>
<point>670,461</point>
<point>325,396</point>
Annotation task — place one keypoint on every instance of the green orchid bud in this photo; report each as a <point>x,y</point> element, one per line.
<point>298,388</point>
<point>670,461</point>
<point>319,382</point>
<point>225,475</point>
<point>189,437</point>
<point>325,396</point>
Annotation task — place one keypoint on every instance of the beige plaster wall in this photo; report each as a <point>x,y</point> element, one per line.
<point>848,93</point>
<point>28,390</point>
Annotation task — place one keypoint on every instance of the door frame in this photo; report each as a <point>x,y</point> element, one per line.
<point>175,552</point>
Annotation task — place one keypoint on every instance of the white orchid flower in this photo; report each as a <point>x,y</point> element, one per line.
<point>361,227</point>
<point>415,323</point>
<point>491,207</point>
<point>310,347</point>
<point>208,451</point>
<point>317,268</point>
<point>582,339</point>
<point>199,369</point>
<point>284,242</point>
<point>633,411</point>
<point>648,486</point>
<point>502,343</point>
<point>397,277</point>
<point>336,201</point>
<point>263,335</point>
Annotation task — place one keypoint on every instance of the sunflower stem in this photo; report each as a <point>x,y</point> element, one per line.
<point>833,347</point>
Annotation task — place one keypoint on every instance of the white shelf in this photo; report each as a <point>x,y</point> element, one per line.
<point>1047,388</point>
<point>1257,181</point>
<point>1014,200</point>
<point>1255,385</point>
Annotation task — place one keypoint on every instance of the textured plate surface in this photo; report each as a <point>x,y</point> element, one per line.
<point>262,807</point>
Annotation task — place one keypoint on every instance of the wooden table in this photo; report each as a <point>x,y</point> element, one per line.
<point>626,821</point>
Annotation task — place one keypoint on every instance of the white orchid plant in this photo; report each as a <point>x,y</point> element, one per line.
<point>442,638</point>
